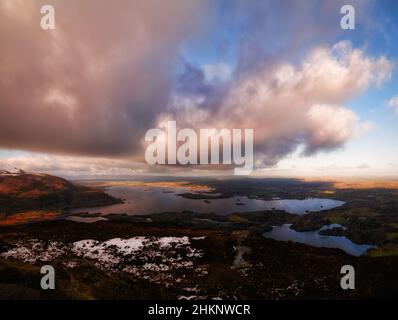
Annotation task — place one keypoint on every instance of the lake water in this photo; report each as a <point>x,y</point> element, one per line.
<point>313,238</point>
<point>156,200</point>
<point>85,219</point>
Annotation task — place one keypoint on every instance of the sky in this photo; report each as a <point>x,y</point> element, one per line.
<point>77,100</point>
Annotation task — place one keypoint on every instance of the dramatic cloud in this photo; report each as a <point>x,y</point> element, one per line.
<point>96,83</point>
<point>292,105</point>
<point>112,70</point>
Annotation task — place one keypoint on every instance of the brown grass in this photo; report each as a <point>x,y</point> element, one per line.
<point>28,217</point>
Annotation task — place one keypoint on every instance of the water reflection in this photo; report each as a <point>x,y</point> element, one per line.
<point>313,238</point>
<point>156,200</point>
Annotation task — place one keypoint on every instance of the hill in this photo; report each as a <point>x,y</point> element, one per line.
<point>20,192</point>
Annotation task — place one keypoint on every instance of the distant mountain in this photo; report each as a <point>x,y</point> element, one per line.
<point>20,191</point>
<point>11,171</point>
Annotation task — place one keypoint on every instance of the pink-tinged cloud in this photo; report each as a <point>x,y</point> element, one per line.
<point>96,83</point>
<point>106,74</point>
<point>293,105</point>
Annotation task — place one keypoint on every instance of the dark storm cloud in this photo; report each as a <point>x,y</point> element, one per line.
<point>96,83</point>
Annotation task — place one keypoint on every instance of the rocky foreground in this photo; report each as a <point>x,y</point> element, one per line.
<point>142,260</point>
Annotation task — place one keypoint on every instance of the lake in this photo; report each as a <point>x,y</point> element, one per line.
<point>141,201</point>
<point>313,238</point>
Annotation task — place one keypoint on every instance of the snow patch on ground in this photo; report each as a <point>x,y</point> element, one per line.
<point>158,259</point>
<point>34,251</point>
